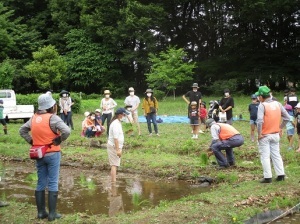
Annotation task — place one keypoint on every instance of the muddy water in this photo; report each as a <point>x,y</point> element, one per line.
<point>91,192</point>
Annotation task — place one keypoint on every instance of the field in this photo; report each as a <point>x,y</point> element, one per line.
<point>235,196</point>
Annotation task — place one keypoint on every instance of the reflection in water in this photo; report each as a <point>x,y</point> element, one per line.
<point>91,192</point>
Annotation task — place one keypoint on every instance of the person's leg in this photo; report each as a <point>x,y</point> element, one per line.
<point>136,121</point>
<point>109,116</point>
<point>252,129</point>
<point>70,120</point>
<point>113,173</point>
<point>148,118</point>
<point>230,156</point>
<point>298,150</point>
<point>3,122</point>
<point>42,173</point>
<point>275,155</point>
<point>264,151</point>
<point>221,159</point>
<point>229,121</point>
<point>153,118</point>
<point>103,118</point>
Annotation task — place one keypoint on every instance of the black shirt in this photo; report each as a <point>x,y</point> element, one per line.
<point>226,102</point>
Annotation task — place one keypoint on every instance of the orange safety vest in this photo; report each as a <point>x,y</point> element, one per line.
<point>272,118</point>
<point>42,133</point>
<point>227,131</point>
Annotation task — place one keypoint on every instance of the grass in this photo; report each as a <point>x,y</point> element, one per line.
<point>236,194</point>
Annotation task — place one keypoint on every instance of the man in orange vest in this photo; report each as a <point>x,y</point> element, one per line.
<point>224,137</point>
<point>269,128</point>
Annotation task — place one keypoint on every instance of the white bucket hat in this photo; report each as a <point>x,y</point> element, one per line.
<point>45,101</point>
<point>298,105</point>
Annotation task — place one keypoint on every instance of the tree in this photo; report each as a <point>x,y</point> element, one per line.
<point>48,67</point>
<point>169,69</point>
<point>7,71</point>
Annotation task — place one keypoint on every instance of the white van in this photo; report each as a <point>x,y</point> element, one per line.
<point>12,111</point>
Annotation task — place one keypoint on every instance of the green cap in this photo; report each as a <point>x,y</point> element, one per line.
<point>263,91</point>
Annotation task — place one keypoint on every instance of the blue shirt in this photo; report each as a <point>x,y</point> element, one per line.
<point>253,107</point>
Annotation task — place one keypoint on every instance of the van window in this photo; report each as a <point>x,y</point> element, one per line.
<point>5,95</point>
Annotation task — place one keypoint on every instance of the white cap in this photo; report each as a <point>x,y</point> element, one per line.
<point>86,113</point>
<point>297,106</point>
<point>131,89</point>
<point>45,101</point>
<point>98,110</point>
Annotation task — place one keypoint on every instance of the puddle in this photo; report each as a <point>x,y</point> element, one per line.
<point>90,191</point>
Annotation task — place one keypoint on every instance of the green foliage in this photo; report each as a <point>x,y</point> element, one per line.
<point>7,71</point>
<point>168,70</point>
<point>48,67</point>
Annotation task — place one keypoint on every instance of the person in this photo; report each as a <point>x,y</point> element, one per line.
<point>65,104</point>
<point>89,127</point>
<point>194,119</point>
<point>292,99</point>
<point>2,118</point>
<point>226,104</point>
<point>98,123</point>
<point>252,108</point>
<point>193,95</point>
<point>46,129</point>
<point>150,107</point>
<point>134,101</point>
<point>115,142</point>
<point>290,127</point>
<point>128,121</point>
<point>224,137</point>
<point>297,124</point>
<point>107,106</point>
<point>203,116</point>
<point>269,130</point>
<point>286,92</point>
<point>83,124</point>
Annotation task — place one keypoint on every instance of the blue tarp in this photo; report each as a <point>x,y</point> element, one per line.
<point>175,119</point>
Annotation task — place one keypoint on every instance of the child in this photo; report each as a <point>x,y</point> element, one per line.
<point>252,108</point>
<point>203,116</point>
<point>83,124</point>
<point>290,128</point>
<point>98,123</point>
<point>194,119</point>
<point>2,119</point>
<point>297,124</point>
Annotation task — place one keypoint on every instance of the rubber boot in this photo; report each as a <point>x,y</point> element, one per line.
<point>5,131</point>
<point>40,204</point>
<point>52,199</point>
<point>280,178</point>
<point>266,180</point>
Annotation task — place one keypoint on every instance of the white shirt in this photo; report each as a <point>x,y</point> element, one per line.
<point>134,101</point>
<point>116,131</point>
<point>65,104</point>
<point>107,106</point>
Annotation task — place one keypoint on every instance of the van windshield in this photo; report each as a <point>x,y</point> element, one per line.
<point>5,95</point>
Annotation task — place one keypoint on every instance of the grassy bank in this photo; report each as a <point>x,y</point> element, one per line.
<point>235,196</point>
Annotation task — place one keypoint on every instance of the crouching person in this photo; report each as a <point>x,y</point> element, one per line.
<point>47,129</point>
<point>224,137</point>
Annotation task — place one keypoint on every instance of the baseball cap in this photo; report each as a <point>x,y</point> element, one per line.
<point>86,113</point>
<point>98,110</point>
<point>253,96</point>
<point>45,101</point>
<point>121,111</point>
<point>263,91</point>
<point>297,106</point>
<point>131,89</point>
<point>193,103</point>
<point>209,122</point>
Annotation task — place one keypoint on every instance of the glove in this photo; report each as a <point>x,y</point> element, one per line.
<point>57,140</point>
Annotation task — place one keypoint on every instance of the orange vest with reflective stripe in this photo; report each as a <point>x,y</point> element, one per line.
<point>227,131</point>
<point>42,133</point>
<point>272,118</point>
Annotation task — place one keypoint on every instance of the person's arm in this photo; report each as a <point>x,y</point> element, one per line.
<point>285,117</point>
<point>260,119</point>
<point>113,104</point>
<point>185,99</point>
<point>230,104</point>
<point>57,124</point>
<point>24,131</point>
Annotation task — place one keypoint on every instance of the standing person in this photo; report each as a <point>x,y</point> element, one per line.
<point>226,104</point>
<point>269,129</point>
<point>115,142</point>
<point>290,127</point>
<point>134,101</point>
<point>2,118</point>
<point>252,108</point>
<point>292,99</point>
<point>70,114</point>
<point>107,106</point>
<point>297,124</point>
<point>65,104</point>
<point>203,116</point>
<point>193,95</point>
<point>224,137</point>
<point>150,107</point>
<point>46,129</point>
<point>194,119</point>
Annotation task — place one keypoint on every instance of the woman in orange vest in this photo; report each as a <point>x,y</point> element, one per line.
<point>224,136</point>
<point>47,129</point>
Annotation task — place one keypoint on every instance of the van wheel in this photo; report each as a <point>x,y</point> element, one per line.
<point>25,120</point>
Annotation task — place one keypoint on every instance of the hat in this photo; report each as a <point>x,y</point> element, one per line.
<point>193,103</point>
<point>209,122</point>
<point>149,91</point>
<point>98,110</point>
<point>288,107</point>
<point>226,91</point>
<point>86,113</point>
<point>131,89</point>
<point>297,106</point>
<point>263,91</point>
<point>45,101</point>
<point>121,111</point>
<point>106,92</point>
<point>64,93</point>
<point>253,96</point>
<point>195,85</point>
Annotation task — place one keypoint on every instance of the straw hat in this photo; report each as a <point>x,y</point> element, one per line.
<point>106,92</point>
